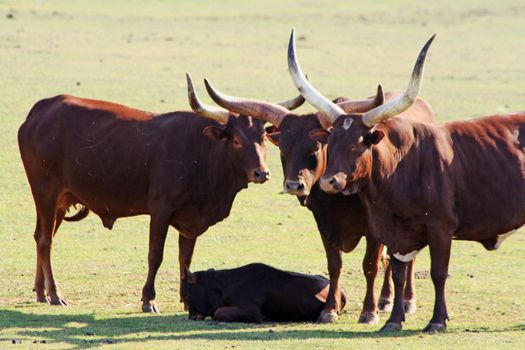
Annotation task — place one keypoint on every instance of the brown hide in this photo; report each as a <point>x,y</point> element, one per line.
<point>180,168</point>
<point>341,220</point>
<point>424,184</point>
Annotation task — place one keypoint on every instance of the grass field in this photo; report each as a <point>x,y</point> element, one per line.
<point>137,53</point>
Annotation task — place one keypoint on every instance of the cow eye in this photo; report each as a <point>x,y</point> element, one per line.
<point>312,161</point>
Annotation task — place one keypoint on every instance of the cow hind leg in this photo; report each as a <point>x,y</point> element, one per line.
<point>158,231</point>
<point>410,289</point>
<point>386,297</point>
<point>48,221</point>
<point>39,288</point>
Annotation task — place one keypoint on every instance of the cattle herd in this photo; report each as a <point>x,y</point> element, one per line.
<point>379,168</point>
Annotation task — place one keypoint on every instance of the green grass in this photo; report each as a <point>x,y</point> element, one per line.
<point>137,54</point>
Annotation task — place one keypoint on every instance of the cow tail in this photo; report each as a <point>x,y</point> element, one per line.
<point>81,214</point>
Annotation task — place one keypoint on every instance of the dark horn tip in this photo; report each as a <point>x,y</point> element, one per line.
<point>291,50</point>
<point>211,91</point>
<point>427,45</point>
<point>189,81</point>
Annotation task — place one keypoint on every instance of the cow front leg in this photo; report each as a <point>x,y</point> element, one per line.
<point>158,229</point>
<point>439,245</point>
<point>333,305</point>
<point>186,247</point>
<point>369,315</point>
<point>250,314</point>
<point>397,317</point>
<point>410,289</point>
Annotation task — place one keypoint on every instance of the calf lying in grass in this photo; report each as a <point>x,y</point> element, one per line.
<point>254,293</point>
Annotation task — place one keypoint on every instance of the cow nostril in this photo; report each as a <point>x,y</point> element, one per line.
<point>300,187</point>
<point>331,181</point>
<point>262,174</point>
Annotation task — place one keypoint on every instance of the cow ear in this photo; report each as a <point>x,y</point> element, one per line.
<point>373,138</point>
<point>214,132</point>
<point>188,276</point>
<point>340,99</point>
<point>380,96</point>
<point>319,135</point>
<point>274,138</point>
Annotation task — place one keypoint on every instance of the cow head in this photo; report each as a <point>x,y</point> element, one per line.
<point>354,135</point>
<point>303,157</point>
<point>200,299</point>
<point>244,134</point>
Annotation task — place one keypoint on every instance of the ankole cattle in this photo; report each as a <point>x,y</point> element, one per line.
<point>425,184</point>
<point>183,169</point>
<point>341,220</point>
<point>254,293</point>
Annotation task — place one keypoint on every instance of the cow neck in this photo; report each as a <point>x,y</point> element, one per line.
<point>224,177</point>
<point>397,153</point>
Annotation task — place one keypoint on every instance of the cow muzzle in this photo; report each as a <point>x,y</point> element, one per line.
<point>296,188</point>
<point>260,176</point>
<point>333,184</point>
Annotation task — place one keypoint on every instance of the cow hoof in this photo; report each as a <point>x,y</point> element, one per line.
<point>391,327</point>
<point>385,305</point>
<point>410,307</point>
<point>327,317</point>
<point>151,309</point>
<point>41,299</point>
<point>368,318</point>
<point>196,317</point>
<point>435,327</point>
<point>59,301</point>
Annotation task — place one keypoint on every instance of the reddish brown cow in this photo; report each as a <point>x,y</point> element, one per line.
<point>181,168</point>
<point>341,220</point>
<point>424,184</point>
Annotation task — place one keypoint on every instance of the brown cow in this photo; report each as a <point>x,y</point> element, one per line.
<point>183,169</point>
<point>424,184</point>
<point>341,220</point>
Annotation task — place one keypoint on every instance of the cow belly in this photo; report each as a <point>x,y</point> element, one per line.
<point>292,308</point>
<point>493,242</point>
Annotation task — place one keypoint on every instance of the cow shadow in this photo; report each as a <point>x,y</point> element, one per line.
<point>85,330</point>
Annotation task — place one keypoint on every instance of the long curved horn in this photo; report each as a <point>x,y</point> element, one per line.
<point>262,110</point>
<point>401,104</point>
<point>207,111</point>
<point>292,103</point>
<point>324,105</point>
<point>359,106</point>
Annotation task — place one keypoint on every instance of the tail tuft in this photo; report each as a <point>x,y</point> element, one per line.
<point>81,214</point>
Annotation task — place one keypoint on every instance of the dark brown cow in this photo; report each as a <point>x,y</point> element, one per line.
<point>423,184</point>
<point>255,293</point>
<point>341,220</point>
<point>180,168</point>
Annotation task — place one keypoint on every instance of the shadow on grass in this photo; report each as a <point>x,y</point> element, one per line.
<point>84,330</point>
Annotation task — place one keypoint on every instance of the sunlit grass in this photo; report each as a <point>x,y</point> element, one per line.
<point>137,53</point>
